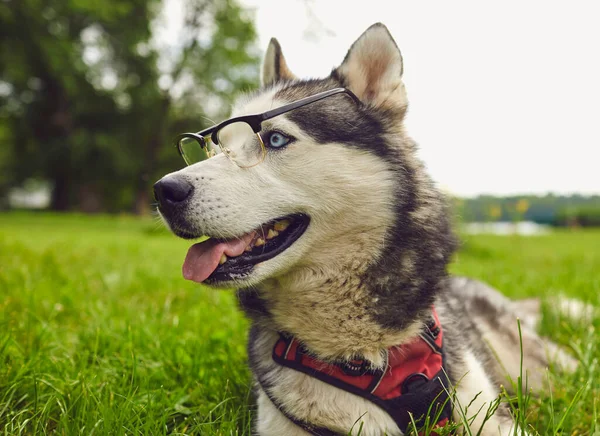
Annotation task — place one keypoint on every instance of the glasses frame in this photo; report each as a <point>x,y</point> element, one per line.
<point>255,122</point>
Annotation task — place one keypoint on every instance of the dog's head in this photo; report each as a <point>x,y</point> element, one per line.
<point>324,187</point>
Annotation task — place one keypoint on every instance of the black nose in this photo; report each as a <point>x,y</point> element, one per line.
<point>172,189</point>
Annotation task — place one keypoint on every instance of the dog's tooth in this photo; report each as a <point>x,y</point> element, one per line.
<point>272,234</point>
<point>280,226</point>
<point>248,248</point>
<point>259,242</point>
<point>223,259</point>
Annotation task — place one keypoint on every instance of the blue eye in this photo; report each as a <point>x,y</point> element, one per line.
<point>277,140</point>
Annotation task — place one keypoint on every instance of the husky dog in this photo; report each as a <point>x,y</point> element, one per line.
<point>319,211</point>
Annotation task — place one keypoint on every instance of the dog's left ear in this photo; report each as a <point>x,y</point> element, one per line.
<point>275,68</point>
<point>373,68</point>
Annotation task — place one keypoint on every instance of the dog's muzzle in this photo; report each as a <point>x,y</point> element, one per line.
<point>216,259</point>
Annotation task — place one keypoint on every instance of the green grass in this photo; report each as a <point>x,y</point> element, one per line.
<point>99,333</point>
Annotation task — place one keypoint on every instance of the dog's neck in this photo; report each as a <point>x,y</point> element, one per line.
<point>333,317</point>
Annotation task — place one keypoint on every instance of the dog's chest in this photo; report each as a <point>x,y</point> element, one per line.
<point>306,398</point>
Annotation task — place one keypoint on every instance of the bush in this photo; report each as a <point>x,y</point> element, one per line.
<point>578,217</point>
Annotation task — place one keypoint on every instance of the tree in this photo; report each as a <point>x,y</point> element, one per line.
<point>208,71</point>
<point>89,99</point>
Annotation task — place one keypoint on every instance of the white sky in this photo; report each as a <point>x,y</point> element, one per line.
<point>504,96</point>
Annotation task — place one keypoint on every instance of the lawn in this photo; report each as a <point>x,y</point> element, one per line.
<point>99,333</point>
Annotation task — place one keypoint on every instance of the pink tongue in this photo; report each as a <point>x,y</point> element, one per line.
<point>203,258</point>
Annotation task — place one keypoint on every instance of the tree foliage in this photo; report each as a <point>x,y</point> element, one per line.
<point>547,209</point>
<point>90,97</point>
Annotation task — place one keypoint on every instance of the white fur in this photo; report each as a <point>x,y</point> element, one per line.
<point>574,309</point>
<point>474,395</point>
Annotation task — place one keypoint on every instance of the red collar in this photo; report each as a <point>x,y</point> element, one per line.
<point>412,380</point>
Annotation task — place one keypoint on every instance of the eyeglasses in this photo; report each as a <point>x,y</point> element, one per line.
<point>239,138</point>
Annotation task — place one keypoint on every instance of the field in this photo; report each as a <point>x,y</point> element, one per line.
<point>99,333</point>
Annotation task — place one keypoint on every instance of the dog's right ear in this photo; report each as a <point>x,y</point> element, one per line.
<point>373,68</point>
<point>275,68</point>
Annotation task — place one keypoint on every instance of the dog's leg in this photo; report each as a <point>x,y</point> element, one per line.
<point>494,317</point>
<point>475,393</point>
<point>544,350</point>
<point>529,311</point>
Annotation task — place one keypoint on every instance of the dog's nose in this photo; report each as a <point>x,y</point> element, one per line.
<point>172,189</point>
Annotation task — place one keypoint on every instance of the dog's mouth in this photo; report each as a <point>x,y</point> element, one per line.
<point>222,260</point>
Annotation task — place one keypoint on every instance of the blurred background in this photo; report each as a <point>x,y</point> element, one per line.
<point>99,333</point>
<point>504,99</point>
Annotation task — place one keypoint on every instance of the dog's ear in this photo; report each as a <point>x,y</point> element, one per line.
<point>372,69</point>
<point>275,68</point>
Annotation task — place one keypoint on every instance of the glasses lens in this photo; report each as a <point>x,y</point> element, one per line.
<point>194,151</point>
<point>239,142</point>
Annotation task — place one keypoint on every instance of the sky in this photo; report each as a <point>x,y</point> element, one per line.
<point>504,97</point>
